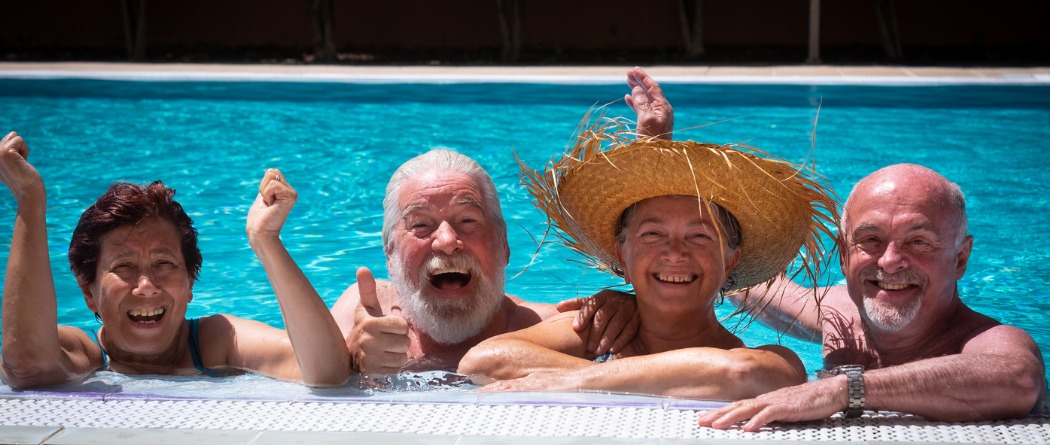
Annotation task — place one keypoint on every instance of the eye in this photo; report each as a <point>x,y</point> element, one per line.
<point>867,242</point>
<point>650,235</point>
<point>470,220</point>
<point>701,236</point>
<point>418,225</point>
<point>922,244</point>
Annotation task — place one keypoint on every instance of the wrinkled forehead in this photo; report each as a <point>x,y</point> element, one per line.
<point>155,234</point>
<point>666,205</point>
<point>922,205</point>
<point>439,190</point>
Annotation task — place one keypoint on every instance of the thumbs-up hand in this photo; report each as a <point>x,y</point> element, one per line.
<point>378,343</point>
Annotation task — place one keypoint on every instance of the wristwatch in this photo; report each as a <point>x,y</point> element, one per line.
<point>854,387</point>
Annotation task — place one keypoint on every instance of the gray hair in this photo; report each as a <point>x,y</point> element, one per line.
<point>441,160</point>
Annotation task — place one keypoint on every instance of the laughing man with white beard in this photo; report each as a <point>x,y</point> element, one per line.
<point>446,245</point>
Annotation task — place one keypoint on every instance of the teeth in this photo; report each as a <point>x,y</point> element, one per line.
<point>674,278</point>
<point>439,271</point>
<point>892,286</point>
<point>145,312</point>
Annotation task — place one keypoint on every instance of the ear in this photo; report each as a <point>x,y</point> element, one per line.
<point>963,256</point>
<point>731,261</point>
<point>89,296</point>
<point>619,257</point>
<point>840,242</point>
<point>506,248</point>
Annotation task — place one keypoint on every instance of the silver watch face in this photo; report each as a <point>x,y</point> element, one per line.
<point>841,369</point>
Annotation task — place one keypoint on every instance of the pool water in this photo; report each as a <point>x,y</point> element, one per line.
<point>338,143</point>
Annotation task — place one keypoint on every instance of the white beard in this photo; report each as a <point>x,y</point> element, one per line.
<point>887,317</point>
<point>890,318</point>
<point>448,322</point>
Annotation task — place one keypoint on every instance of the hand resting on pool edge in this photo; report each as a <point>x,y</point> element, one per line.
<point>681,236</point>
<point>917,347</point>
<point>919,367</point>
<point>134,254</point>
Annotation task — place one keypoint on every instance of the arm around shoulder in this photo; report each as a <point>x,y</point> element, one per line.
<point>791,308</point>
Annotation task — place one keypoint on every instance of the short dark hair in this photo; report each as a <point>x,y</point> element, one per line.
<point>127,204</point>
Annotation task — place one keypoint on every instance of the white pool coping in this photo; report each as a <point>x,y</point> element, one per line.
<point>505,418</point>
<point>797,74</point>
<point>252,409</point>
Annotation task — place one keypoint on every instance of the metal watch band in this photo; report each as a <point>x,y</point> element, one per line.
<point>855,388</point>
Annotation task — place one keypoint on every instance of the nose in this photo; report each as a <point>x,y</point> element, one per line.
<point>146,286</point>
<point>446,240</point>
<point>893,259</point>
<point>674,251</point>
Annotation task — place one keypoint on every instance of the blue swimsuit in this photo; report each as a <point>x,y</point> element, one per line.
<point>195,349</point>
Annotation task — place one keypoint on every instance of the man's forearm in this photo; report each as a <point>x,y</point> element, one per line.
<point>960,387</point>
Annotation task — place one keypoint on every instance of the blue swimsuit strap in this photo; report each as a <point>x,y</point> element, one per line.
<point>105,359</point>
<point>195,347</point>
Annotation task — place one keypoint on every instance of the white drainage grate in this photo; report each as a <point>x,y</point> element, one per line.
<point>479,419</point>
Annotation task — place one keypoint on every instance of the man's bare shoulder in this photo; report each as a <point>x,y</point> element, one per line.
<point>345,307</point>
<point>385,291</point>
<point>523,313</point>
<point>988,336</point>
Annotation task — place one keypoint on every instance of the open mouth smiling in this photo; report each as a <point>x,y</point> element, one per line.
<point>890,286</point>
<point>146,316</point>
<point>675,278</point>
<point>450,279</point>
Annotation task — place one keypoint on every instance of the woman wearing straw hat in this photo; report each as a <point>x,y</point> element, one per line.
<point>683,223</point>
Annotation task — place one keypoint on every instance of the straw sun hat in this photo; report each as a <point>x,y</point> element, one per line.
<point>781,207</point>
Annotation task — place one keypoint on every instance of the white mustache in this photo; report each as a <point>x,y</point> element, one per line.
<point>456,263</point>
<point>906,276</point>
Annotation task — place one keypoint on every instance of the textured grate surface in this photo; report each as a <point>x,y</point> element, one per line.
<point>489,420</point>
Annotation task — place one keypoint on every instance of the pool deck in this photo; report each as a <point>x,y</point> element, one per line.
<point>466,417</point>
<point>547,74</point>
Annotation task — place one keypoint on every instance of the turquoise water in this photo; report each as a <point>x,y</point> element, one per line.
<point>339,143</point>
